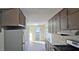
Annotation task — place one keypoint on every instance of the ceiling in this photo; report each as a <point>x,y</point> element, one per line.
<point>39,15</point>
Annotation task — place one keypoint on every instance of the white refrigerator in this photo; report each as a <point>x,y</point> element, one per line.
<point>14,40</point>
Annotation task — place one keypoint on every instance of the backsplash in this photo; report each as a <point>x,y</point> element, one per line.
<point>76,38</point>
<point>58,40</point>
<point>73,35</point>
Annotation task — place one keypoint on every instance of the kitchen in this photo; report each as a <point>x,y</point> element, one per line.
<point>62,25</point>
<point>64,28</point>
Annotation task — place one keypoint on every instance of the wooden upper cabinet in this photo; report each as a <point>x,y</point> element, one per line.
<point>22,19</point>
<point>66,19</point>
<point>53,23</point>
<point>57,23</point>
<point>63,19</point>
<point>72,10</point>
<point>0,18</point>
<point>49,26</point>
<point>73,19</point>
<point>13,17</point>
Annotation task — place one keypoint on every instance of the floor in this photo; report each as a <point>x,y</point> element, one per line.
<point>36,46</point>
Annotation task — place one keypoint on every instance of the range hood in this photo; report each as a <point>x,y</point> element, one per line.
<point>68,32</point>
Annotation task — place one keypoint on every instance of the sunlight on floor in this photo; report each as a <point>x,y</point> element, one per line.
<point>36,45</point>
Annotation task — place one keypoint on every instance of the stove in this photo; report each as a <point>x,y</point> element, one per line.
<point>65,48</point>
<point>71,46</point>
<point>73,43</point>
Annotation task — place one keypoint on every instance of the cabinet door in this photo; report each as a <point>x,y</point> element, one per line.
<point>57,20</point>
<point>72,10</point>
<point>53,23</point>
<point>73,20</point>
<point>10,17</point>
<point>63,19</point>
<point>51,48</point>
<point>0,19</point>
<point>49,26</point>
<point>47,45</point>
<point>56,23</point>
<point>55,28</point>
<point>21,18</point>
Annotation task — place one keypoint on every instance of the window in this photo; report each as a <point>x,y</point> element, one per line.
<point>37,33</point>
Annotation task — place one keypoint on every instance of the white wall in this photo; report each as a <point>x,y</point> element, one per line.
<point>2,40</point>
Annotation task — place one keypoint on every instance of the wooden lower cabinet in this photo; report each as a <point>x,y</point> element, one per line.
<point>51,48</point>
<point>48,46</point>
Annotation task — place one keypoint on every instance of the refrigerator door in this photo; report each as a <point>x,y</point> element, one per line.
<point>25,40</point>
<point>13,40</point>
<point>2,40</point>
